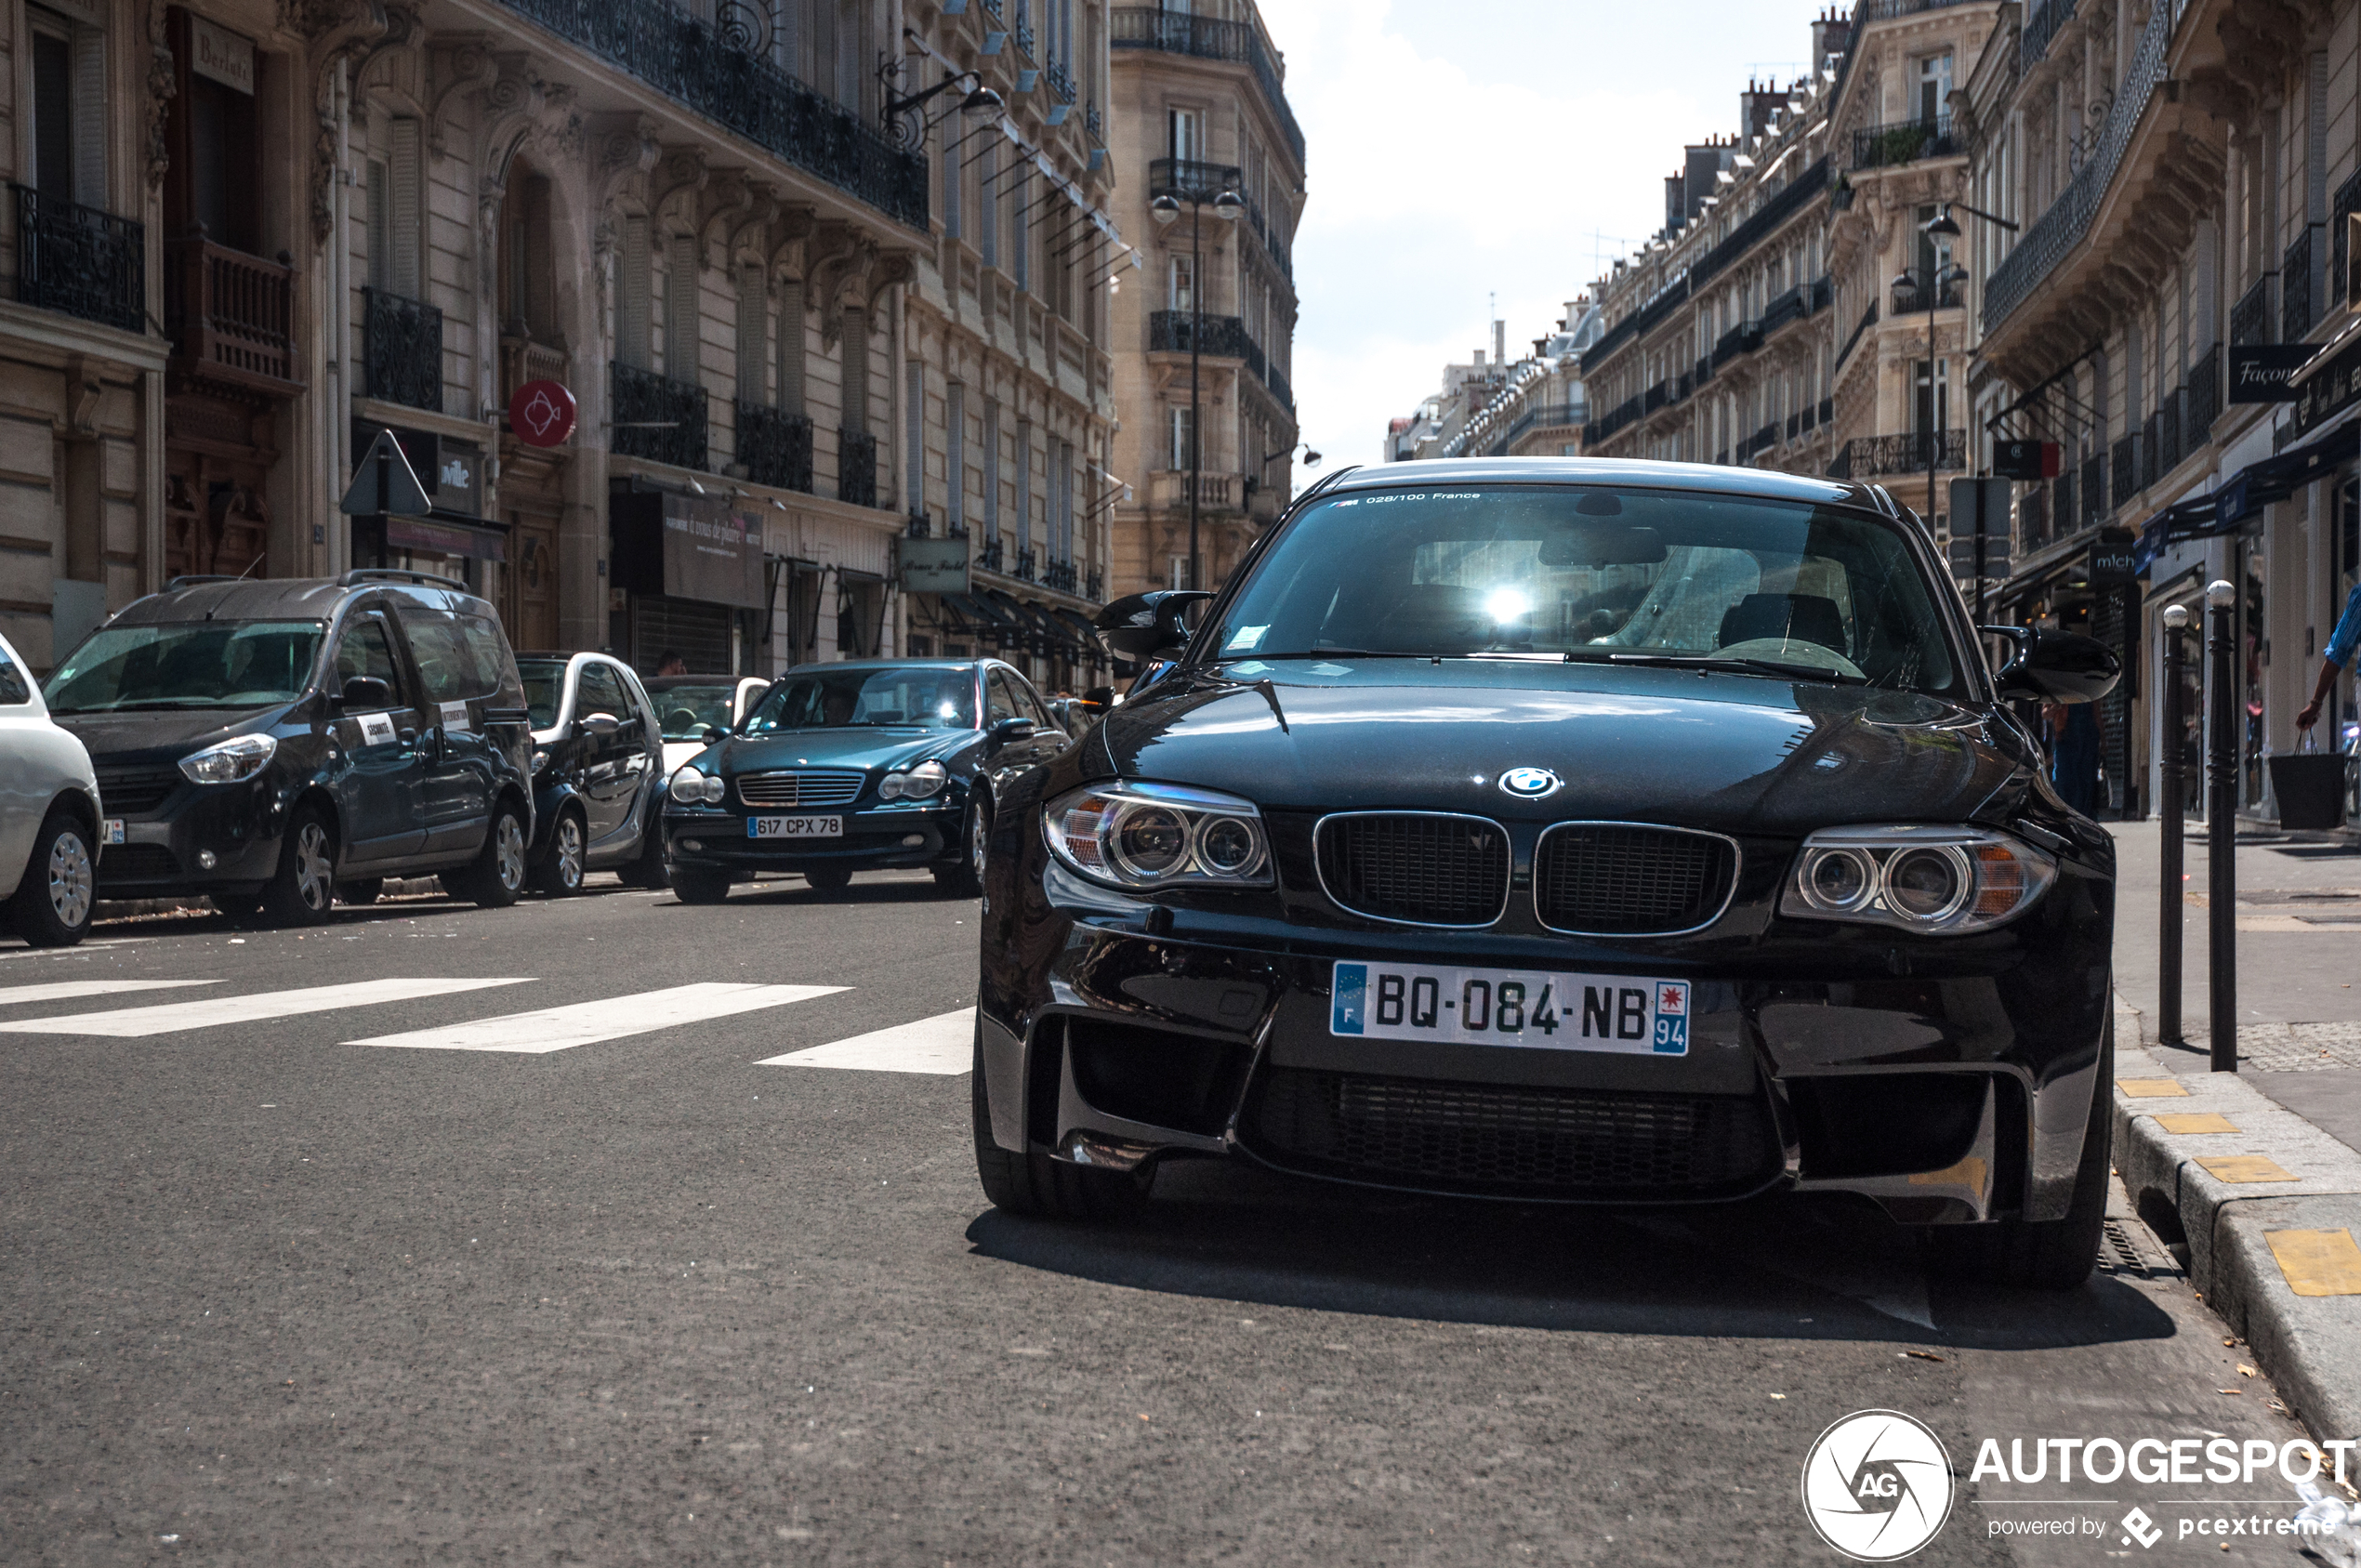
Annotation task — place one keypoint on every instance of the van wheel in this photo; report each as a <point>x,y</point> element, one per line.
<point>701,887</point>
<point>301,892</point>
<point>365,889</point>
<point>52,905</point>
<point>497,875</point>
<point>647,868</point>
<point>560,872</point>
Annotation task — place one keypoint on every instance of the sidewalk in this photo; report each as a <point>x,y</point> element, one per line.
<point>2255,1177</point>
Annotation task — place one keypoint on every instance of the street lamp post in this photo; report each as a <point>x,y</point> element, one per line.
<point>1165,209</point>
<point>1936,278</point>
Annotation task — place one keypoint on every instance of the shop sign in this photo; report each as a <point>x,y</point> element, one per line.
<point>457,488</point>
<point>2113,565</point>
<point>2328,391</point>
<point>711,552</point>
<point>934,566</point>
<point>2260,371</point>
<point>221,54</point>
<point>458,540</point>
<point>542,413</point>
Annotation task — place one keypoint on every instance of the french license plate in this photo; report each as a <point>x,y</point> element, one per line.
<point>1535,1007</point>
<point>794,828</point>
<point>114,830</point>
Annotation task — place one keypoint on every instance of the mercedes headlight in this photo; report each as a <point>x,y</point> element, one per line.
<point>1142,835</point>
<point>1932,880</point>
<point>234,761</point>
<point>690,787</point>
<point>927,778</point>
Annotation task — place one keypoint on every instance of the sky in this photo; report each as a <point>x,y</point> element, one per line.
<point>1467,147</point>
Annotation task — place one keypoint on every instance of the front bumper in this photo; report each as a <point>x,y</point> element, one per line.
<point>1946,1084</point>
<point>162,852</point>
<point>876,838</point>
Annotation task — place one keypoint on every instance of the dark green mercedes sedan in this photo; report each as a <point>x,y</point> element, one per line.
<point>869,765</point>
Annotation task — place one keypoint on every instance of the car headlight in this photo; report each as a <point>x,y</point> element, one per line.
<point>1933,880</point>
<point>692,787</point>
<point>1144,835</point>
<point>927,778</point>
<point>232,761</point>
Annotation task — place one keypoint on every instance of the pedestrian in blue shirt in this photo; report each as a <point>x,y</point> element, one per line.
<point>2337,660</point>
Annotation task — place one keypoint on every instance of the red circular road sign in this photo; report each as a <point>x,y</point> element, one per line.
<point>542,413</point>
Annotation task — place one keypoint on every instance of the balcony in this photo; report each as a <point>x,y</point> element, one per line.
<point>80,261</point>
<point>1060,80</point>
<point>2124,459</point>
<point>658,419</point>
<point>1868,456</point>
<point>1170,489</point>
<point>404,350</point>
<point>989,558</point>
<point>1276,380</point>
<point>1059,576</point>
<point>1905,141</point>
<point>1216,336</point>
<point>230,316</point>
<point>2204,399</point>
<point>1743,338</point>
<point>689,61</point>
<point>1152,27</point>
<point>774,446</point>
<point>2041,23</point>
<point>1913,301</point>
<point>2094,491</point>
<point>2250,317</point>
<point>523,359</point>
<point>2296,314</point>
<point>1192,180</point>
<point>1024,572</point>
<point>857,468</point>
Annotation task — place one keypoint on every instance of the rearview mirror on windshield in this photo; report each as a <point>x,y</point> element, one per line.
<point>1605,544</point>
<point>2057,667</point>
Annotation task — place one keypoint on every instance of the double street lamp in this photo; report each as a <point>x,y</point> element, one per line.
<point>1165,210</point>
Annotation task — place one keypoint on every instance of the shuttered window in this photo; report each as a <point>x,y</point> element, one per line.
<point>955,457</point>
<point>680,336</point>
<point>68,156</point>
<point>753,311</point>
<point>405,205</point>
<point>1025,484</point>
<point>856,371</point>
<point>632,289</point>
<point>914,436</point>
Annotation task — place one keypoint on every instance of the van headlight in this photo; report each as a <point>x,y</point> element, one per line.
<point>690,787</point>
<point>927,778</point>
<point>1936,881</point>
<point>234,761</point>
<point>1142,835</point>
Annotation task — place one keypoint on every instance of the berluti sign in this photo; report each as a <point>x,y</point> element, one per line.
<point>221,54</point>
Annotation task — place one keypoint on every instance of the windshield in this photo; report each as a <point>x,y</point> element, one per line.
<point>545,683</point>
<point>1582,574</point>
<point>934,698</point>
<point>684,711</point>
<point>187,664</point>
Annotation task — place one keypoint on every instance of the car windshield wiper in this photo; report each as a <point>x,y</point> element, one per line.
<point>150,705</point>
<point>1714,660</point>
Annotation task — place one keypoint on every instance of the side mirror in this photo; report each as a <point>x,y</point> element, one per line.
<point>714,733</point>
<point>1007,729</point>
<point>367,691</point>
<point>2056,667</point>
<point>1141,625</point>
<point>599,724</point>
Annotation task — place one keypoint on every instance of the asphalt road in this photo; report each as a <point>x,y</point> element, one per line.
<point>271,1296</point>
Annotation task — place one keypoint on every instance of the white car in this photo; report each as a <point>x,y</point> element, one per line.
<point>48,816</point>
<point>688,704</point>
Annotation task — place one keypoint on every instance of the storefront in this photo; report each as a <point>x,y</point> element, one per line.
<point>685,576</point>
<point>454,539</point>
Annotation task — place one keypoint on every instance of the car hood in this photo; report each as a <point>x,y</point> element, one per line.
<point>859,747</point>
<point>1735,753</point>
<point>169,733</point>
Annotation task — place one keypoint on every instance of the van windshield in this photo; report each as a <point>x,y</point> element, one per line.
<point>187,664</point>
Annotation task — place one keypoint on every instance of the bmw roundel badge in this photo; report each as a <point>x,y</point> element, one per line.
<point>1530,782</point>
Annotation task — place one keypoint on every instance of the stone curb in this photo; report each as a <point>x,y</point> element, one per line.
<point>2310,1345</point>
<point>124,909</point>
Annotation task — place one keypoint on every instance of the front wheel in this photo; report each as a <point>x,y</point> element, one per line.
<point>301,892</point>
<point>647,869</point>
<point>964,877</point>
<point>828,878</point>
<point>1029,1181</point>
<point>52,905</point>
<point>497,875</point>
<point>701,887</point>
<point>560,872</point>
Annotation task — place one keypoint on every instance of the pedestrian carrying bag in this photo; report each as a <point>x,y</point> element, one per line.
<point>2310,785</point>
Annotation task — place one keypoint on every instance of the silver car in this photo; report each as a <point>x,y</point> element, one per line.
<point>49,820</point>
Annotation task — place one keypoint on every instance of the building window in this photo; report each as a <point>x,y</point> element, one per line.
<point>1184,134</point>
<point>69,154</point>
<point>634,285</point>
<point>680,334</point>
<point>1181,286</point>
<point>988,203</point>
<point>1934,86</point>
<point>914,435</point>
<point>955,456</point>
<point>1025,485</point>
<point>992,473</point>
<point>754,319</point>
<point>951,176</point>
<point>791,345</point>
<point>1181,428</point>
<point>856,371</point>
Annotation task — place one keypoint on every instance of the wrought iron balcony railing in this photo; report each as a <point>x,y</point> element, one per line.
<point>1094,587</point>
<point>404,350</point>
<point>2204,400</point>
<point>1060,80</point>
<point>2124,458</point>
<point>231,316</point>
<point>1867,456</point>
<point>658,419</point>
<point>2093,490</point>
<point>1094,125</point>
<point>80,261</point>
<point>1024,573</point>
<point>1276,380</point>
<point>1909,301</point>
<point>2296,314</point>
<point>1058,574</point>
<point>1223,337</point>
<point>1906,142</point>
<point>689,61</point>
<point>775,446</point>
<point>1152,27</point>
<point>1191,178</point>
<point>857,468</point>
<point>2041,23</point>
<point>2250,317</point>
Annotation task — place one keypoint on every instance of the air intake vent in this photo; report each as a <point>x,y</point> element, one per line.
<point>830,787</point>
<point>1416,869</point>
<point>131,792</point>
<point>1608,879</point>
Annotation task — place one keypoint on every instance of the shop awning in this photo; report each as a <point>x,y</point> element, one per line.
<point>973,614</point>
<point>2255,486</point>
<point>1080,625</point>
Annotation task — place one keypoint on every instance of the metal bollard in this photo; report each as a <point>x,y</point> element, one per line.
<point>2176,617</point>
<point>2222,837</point>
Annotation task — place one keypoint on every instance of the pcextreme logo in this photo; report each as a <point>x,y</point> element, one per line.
<point>1876,1485</point>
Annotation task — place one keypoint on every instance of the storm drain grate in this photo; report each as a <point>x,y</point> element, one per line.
<point>2118,1253</point>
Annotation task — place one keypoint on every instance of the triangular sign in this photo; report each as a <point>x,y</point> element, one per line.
<point>402,496</point>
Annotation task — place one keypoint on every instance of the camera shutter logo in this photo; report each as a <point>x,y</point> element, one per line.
<point>1876,1485</point>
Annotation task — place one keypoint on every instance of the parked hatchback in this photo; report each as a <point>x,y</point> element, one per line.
<point>48,817</point>
<point>598,772</point>
<point>260,743</point>
<point>692,707</point>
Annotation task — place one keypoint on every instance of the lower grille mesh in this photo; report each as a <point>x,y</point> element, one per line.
<point>1630,881</point>
<point>1503,1139</point>
<point>1425,870</point>
<point>137,863</point>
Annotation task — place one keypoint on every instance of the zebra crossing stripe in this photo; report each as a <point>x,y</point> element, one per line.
<point>584,1023</point>
<point>208,1012</point>
<point>66,990</point>
<point>943,1044</point>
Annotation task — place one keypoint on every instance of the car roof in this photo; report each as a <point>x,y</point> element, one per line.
<point>1721,479</point>
<point>665,682</point>
<point>891,664</point>
<point>277,599</point>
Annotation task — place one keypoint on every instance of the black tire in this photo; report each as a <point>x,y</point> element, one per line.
<point>560,870</point>
<point>647,869</point>
<point>701,887</point>
<point>360,891</point>
<point>498,874</point>
<point>2045,1254</point>
<point>963,879</point>
<point>1033,1183</point>
<point>52,904</point>
<point>828,878</point>
<point>303,890</point>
